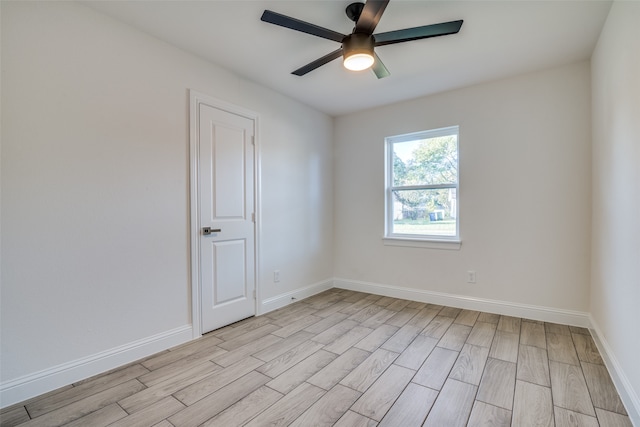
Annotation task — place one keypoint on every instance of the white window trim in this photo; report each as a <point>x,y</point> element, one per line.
<point>413,240</point>
<point>421,242</point>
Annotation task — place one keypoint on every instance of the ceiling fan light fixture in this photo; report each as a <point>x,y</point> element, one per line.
<point>358,61</point>
<point>358,52</point>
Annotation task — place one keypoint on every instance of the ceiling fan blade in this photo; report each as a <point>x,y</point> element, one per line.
<point>378,68</point>
<point>298,25</point>
<point>370,16</point>
<point>318,63</point>
<point>417,33</point>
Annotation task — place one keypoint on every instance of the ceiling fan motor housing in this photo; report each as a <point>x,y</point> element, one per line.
<point>357,43</point>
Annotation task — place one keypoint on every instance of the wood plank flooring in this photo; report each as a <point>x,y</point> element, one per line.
<point>351,359</point>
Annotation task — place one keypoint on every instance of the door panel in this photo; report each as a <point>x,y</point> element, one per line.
<point>229,269</point>
<point>227,253</point>
<point>229,169</point>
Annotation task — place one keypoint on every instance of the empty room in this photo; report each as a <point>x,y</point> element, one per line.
<point>315,213</point>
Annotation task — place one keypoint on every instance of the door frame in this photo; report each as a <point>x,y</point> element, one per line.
<point>195,100</point>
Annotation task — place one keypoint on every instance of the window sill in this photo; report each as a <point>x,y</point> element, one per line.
<point>453,245</point>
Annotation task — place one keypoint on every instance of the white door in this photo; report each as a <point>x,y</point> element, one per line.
<point>226,217</point>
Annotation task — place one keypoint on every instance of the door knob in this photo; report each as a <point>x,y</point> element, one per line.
<point>208,230</point>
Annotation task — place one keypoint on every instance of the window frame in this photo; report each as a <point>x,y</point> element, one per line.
<point>419,240</point>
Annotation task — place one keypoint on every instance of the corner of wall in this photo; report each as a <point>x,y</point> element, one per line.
<point>622,383</point>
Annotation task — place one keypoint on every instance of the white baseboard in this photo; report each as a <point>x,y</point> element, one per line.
<point>628,395</point>
<point>282,300</point>
<point>28,386</point>
<point>546,314</point>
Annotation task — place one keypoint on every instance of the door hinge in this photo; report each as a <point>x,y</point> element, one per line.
<point>253,217</point>
<point>254,294</point>
<point>253,140</point>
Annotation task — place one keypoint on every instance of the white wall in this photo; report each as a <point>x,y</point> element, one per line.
<point>615,286</point>
<point>524,192</point>
<point>95,184</point>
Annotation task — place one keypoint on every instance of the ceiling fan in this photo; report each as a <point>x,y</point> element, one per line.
<point>357,48</point>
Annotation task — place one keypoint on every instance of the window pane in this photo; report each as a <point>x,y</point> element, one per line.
<point>426,161</point>
<point>425,212</point>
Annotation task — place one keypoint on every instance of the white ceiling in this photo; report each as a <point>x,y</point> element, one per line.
<point>498,39</point>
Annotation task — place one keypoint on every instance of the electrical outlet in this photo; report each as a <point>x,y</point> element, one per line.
<point>276,276</point>
<point>471,276</point>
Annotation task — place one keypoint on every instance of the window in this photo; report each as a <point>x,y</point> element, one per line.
<point>422,186</point>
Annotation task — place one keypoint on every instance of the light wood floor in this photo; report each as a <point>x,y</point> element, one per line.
<point>351,359</point>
